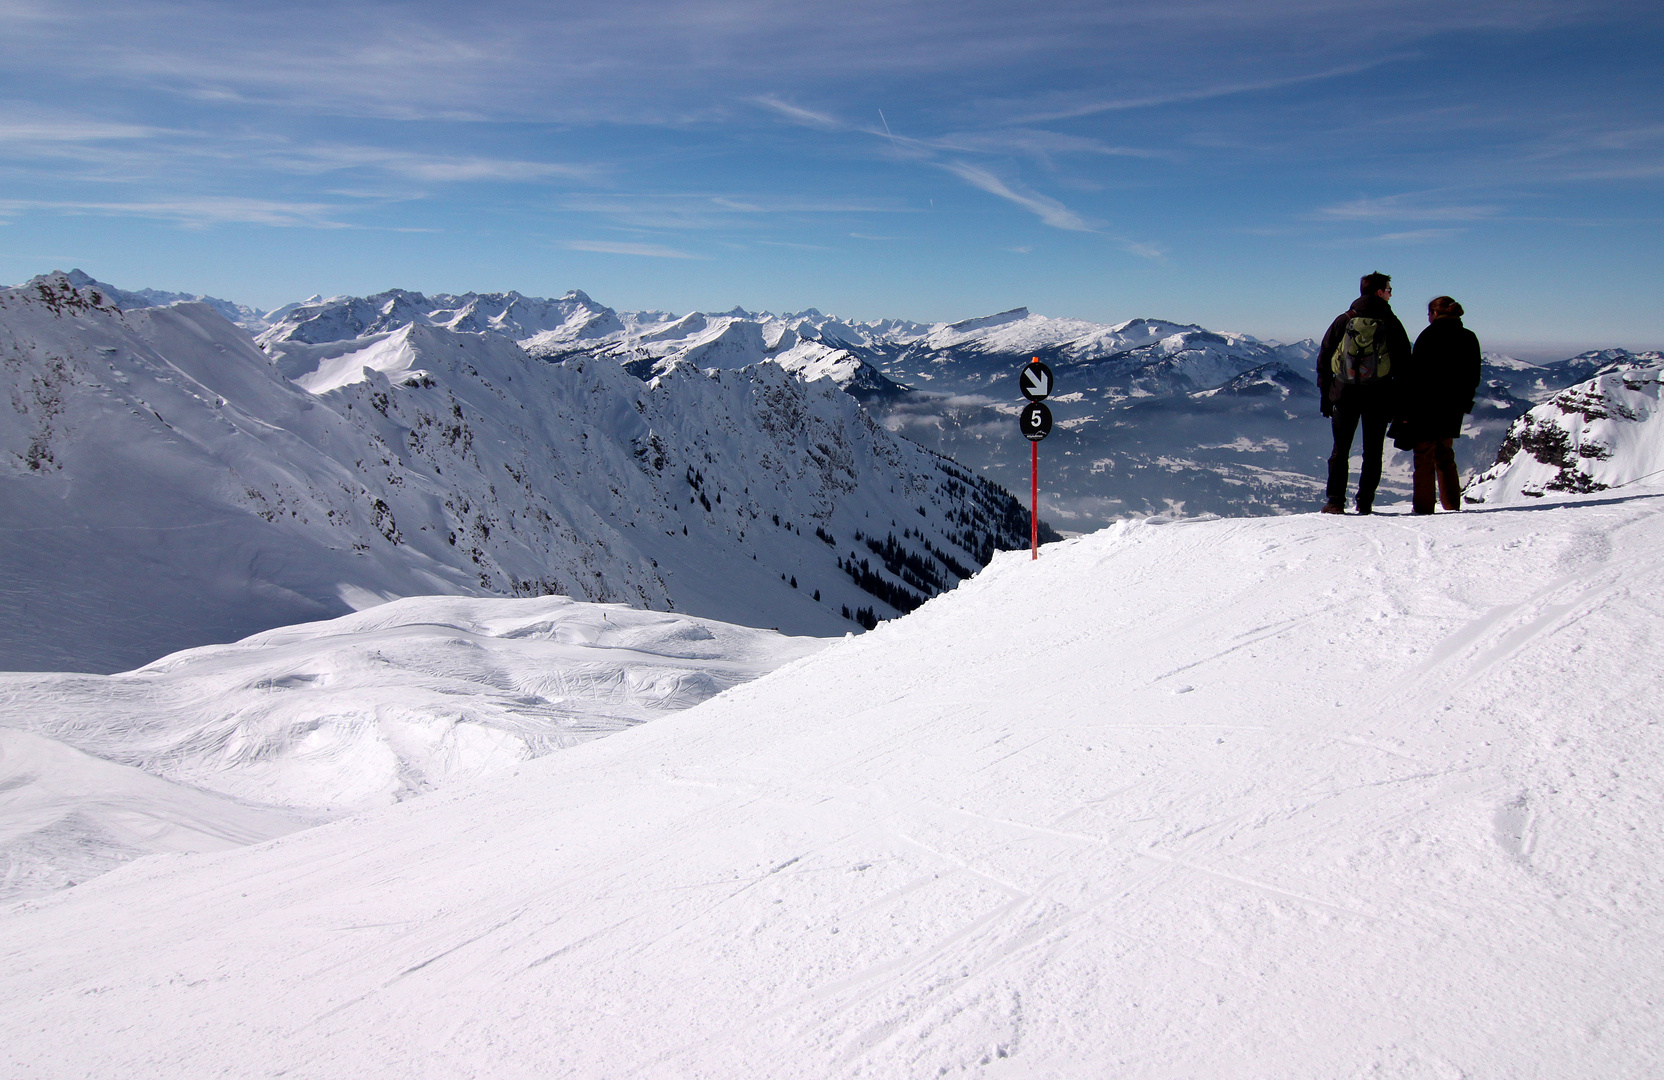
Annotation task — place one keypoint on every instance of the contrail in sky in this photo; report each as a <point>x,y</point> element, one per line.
<point>888,132</point>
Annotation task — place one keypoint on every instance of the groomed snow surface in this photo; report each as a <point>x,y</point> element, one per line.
<point>1279,797</point>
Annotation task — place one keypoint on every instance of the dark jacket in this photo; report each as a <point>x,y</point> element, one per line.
<point>1436,387</point>
<point>1368,307</point>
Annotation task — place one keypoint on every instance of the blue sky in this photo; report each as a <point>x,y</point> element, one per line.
<point>1236,165</point>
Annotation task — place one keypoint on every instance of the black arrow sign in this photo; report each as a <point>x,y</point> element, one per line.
<point>1036,381</point>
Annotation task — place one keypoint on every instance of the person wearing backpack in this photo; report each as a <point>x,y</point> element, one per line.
<point>1435,390</point>
<point>1354,378</point>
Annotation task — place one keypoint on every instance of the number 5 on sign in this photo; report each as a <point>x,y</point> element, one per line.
<point>1036,420</point>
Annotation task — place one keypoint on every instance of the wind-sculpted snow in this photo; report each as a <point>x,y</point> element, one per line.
<point>67,816</point>
<point>1604,433</point>
<point>166,484</point>
<point>381,704</point>
<point>1301,796</point>
<point>234,744</point>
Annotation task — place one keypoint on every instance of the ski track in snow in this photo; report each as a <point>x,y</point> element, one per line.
<point>1294,797</point>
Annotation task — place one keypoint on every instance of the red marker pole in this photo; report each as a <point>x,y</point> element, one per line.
<point>1034,502</point>
<point>1036,422</point>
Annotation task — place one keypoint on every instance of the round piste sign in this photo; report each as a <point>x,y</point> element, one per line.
<point>1036,381</point>
<point>1036,421</point>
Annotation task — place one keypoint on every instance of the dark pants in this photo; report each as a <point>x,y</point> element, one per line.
<point>1436,464</point>
<point>1374,408</point>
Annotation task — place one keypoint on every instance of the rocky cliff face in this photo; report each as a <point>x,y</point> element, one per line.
<point>1598,434</point>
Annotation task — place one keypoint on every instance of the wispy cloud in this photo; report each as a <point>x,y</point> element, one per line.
<point>1417,236</point>
<point>1004,140</point>
<point>1577,148</point>
<point>1046,208</point>
<point>793,244</point>
<point>674,64</point>
<point>1033,142</point>
<point>1416,206</point>
<point>63,146</point>
<point>1200,93</point>
<point>680,211</point>
<point>611,247</point>
<point>26,129</point>
<point>674,127</point>
<point>196,212</point>
<point>1153,252</point>
<point>437,168</point>
<point>928,151</point>
<point>797,114</point>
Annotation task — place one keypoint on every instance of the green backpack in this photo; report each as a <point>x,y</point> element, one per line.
<point>1361,356</point>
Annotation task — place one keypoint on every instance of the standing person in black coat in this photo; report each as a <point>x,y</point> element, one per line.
<point>1355,366</point>
<point>1435,390</point>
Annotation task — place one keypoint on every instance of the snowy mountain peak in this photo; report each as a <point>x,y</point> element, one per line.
<point>61,292</point>
<point>250,319</point>
<point>1602,433</point>
<point>965,326</point>
<point>1275,379</point>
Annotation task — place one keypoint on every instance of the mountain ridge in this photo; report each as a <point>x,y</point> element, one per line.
<point>450,463</point>
<point>1134,436</point>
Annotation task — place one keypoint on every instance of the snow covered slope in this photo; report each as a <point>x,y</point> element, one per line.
<point>67,816</point>
<point>231,744</point>
<point>163,484</point>
<point>1604,433</point>
<point>1291,797</point>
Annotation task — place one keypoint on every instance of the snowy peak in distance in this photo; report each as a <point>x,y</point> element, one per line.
<point>1275,379</point>
<point>525,319</point>
<point>879,360</point>
<point>250,319</point>
<point>1603,433</point>
<point>645,343</point>
<point>1136,358</point>
<point>1016,330</point>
